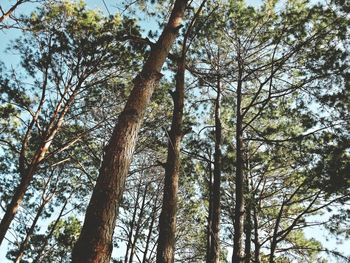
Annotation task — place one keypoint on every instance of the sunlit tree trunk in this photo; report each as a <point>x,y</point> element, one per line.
<point>216,191</point>
<point>167,220</point>
<point>238,255</point>
<point>95,241</point>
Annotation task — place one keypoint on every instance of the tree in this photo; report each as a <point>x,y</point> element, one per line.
<point>264,106</point>
<point>283,57</point>
<point>68,64</point>
<point>167,219</point>
<point>95,240</point>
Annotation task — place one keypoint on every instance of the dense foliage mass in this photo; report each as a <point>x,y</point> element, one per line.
<point>175,131</point>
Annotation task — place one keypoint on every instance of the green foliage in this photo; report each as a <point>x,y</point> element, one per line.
<point>60,243</point>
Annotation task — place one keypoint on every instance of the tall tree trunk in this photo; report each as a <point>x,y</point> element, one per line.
<point>210,214</point>
<point>16,200</point>
<point>248,226</point>
<point>45,199</point>
<point>238,256</point>
<point>167,220</point>
<point>215,226</point>
<point>248,235</point>
<point>95,242</point>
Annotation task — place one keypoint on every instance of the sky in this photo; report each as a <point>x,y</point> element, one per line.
<point>110,6</point>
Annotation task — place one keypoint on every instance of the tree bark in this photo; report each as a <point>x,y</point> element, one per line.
<point>248,235</point>
<point>95,242</point>
<point>210,214</point>
<point>16,200</point>
<point>45,199</point>
<point>238,255</point>
<point>216,207</point>
<point>167,220</point>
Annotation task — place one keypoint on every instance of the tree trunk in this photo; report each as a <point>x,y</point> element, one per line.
<point>248,235</point>
<point>210,214</point>
<point>248,226</point>
<point>215,226</point>
<point>167,220</point>
<point>149,235</point>
<point>95,242</point>
<point>238,256</point>
<point>16,200</point>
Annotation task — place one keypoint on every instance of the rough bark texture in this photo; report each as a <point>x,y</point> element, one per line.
<point>215,225</point>
<point>167,220</point>
<point>238,256</point>
<point>95,242</point>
